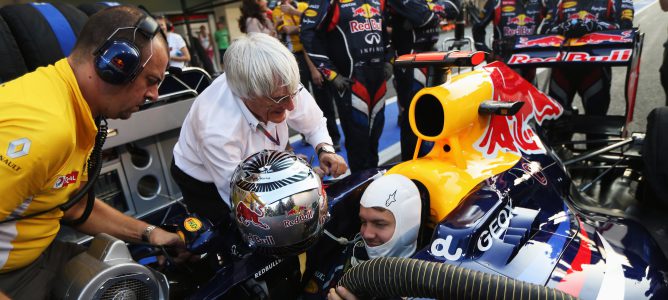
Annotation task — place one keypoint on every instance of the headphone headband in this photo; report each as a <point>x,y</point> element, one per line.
<point>148,26</point>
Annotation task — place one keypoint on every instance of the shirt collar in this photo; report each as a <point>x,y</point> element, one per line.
<point>251,120</point>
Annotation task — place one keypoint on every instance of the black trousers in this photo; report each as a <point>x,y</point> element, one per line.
<point>322,96</point>
<point>201,198</point>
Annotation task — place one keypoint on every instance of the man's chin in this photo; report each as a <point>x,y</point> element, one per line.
<point>277,118</point>
<point>124,116</point>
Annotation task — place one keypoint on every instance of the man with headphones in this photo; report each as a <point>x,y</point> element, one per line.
<point>47,131</point>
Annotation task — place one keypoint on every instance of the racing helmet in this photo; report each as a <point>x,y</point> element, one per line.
<point>280,205</point>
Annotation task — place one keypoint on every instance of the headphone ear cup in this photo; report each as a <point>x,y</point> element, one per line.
<point>117,61</point>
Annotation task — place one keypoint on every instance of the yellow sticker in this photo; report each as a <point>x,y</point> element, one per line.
<point>508,9</point>
<point>345,1</point>
<point>569,4</point>
<point>627,14</point>
<point>310,13</point>
<point>192,224</point>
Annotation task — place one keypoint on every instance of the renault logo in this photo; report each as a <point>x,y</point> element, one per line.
<point>372,38</point>
<point>18,148</point>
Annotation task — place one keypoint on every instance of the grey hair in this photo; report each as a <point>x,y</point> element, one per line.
<point>258,65</point>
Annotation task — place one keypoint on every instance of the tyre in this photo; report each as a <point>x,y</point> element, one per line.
<point>91,8</point>
<point>655,158</point>
<point>11,59</point>
<point>34,35</point>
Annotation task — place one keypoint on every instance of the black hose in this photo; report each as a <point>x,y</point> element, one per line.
<point>407,277</point>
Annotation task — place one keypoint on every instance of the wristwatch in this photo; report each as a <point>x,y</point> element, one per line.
<point>327,148</point>
<point>146,234</point>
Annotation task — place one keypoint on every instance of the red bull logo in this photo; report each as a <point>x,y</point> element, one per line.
<point>620,55</point>
<point>543,41</point>
<point>266,240</point>
<point>595,38</point>
<point>582,15</point>
<point>521,20</point>
<point>367,25</point>
<point>367,11</point>
<point>296,210</point>
<point>615,55</point>
<point>513,133</point>
<point>301,218</point>
<point>248,216</point>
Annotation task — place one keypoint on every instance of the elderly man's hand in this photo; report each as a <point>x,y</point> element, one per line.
<point>332,164</point>
<point>340,293</point>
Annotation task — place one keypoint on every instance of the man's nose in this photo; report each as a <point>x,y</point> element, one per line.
<point>367,234</point>
<point>152,94</point>
<point>289,103</point>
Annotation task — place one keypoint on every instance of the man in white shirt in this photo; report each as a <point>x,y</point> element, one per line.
<point>246,110</point>
<point>178,50</point>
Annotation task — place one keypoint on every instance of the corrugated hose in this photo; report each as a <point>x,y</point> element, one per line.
<point>408,277</point>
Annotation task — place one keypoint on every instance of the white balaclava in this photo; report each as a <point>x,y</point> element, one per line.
<point>400,196</point>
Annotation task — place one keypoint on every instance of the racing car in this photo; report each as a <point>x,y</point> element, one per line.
<point>497,201</point>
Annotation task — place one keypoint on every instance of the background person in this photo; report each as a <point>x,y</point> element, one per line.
<point>348,43</point>
<point>206,41</point>
<point>390,214</point>
<point>178,49</point>
<point>245,110</point>
<point>254,18</point>
<point>287,17</point>
<point>415,29</point>
<point>47,144</point>
<point>575,19</point>
<point>510,18</point>
<point>222,36</point>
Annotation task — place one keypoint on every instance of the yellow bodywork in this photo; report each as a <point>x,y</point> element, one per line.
<point>454,167</point>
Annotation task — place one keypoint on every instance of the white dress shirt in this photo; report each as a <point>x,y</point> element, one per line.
<point>220,131</point>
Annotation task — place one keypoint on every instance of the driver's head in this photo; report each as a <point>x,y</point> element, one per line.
<point>390,214</point>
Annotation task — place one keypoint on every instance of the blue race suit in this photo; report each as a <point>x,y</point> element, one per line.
<point>348,38</point>
<point>592,83</point>
<point>511,18</point>
<point>415,29</point>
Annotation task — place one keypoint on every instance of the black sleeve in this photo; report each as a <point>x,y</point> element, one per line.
<point>479,27</point>
<point>313,31</point>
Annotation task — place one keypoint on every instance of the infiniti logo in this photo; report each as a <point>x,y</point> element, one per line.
<point>372,38</point>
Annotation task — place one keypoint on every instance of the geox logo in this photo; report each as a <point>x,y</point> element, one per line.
<point>64,180</point>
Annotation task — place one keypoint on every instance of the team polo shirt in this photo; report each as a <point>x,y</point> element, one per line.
<point>46,134</point>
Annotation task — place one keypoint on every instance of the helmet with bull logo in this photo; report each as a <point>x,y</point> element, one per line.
<point>279,203</point>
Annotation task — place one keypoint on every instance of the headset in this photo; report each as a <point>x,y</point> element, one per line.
<point>118,61</point>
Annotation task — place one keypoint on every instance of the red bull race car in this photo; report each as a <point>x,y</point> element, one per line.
<point>502,216</point>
